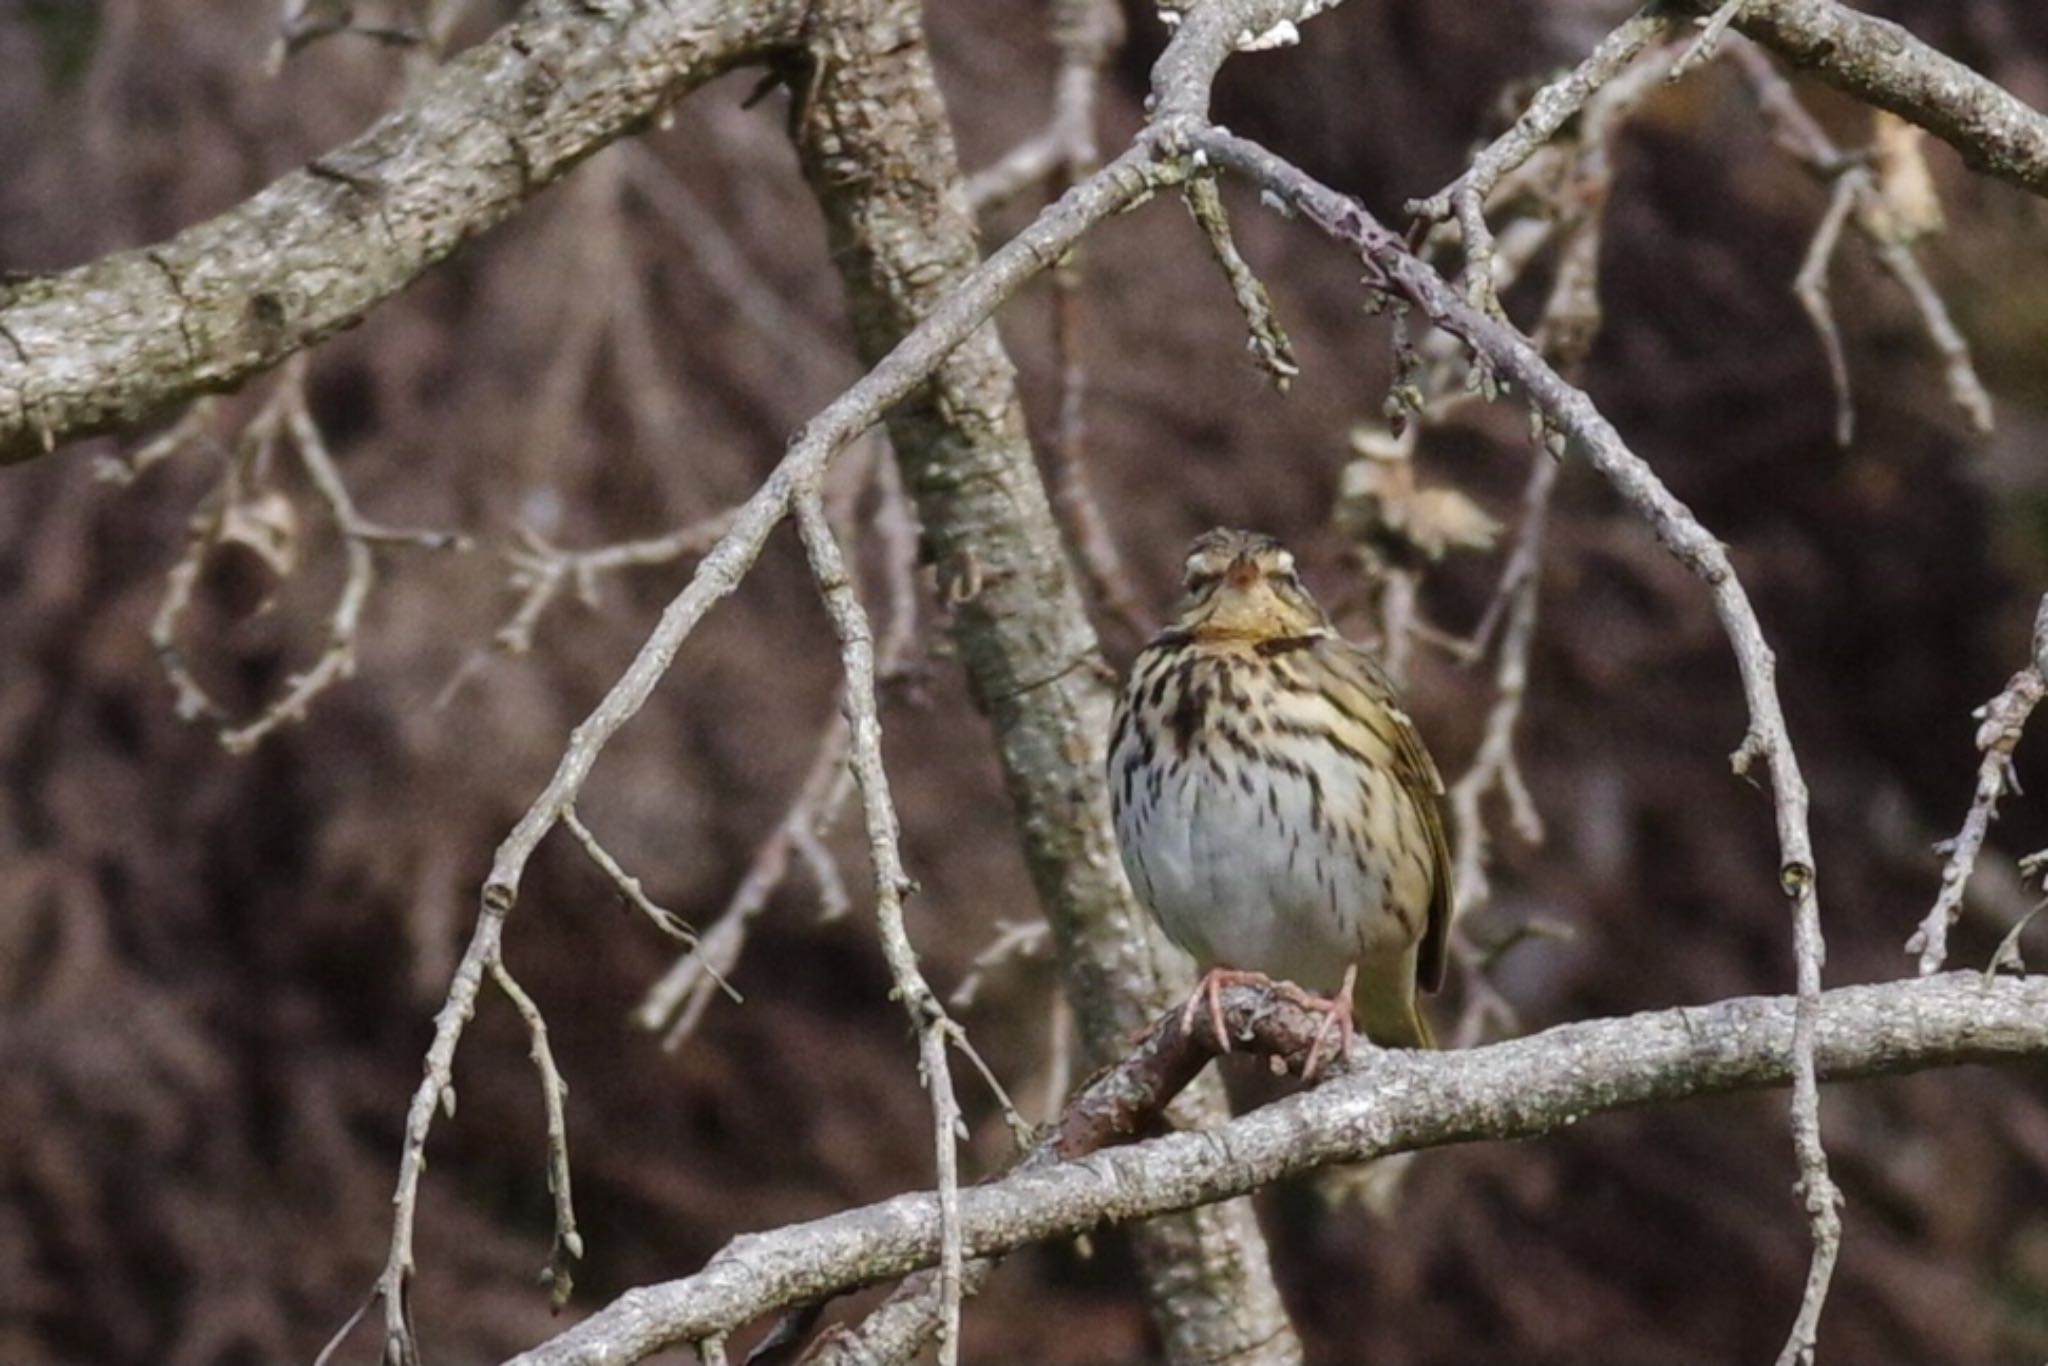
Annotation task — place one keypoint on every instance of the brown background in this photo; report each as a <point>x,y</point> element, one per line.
<point>216,973</point>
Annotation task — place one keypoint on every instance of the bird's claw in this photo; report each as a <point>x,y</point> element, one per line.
<point>1209,992</point>
<point>1337,1018</point>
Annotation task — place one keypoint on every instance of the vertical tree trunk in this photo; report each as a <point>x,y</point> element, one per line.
<point>878,152</point>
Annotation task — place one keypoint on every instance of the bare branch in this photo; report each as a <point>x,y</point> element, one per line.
<point>927,1015</point>
<point>1399,273</point>
<point>1810,286</point>
<point>541,570</point>
<point>2004,719</point>
<point>1395,1101</point>
<point>1494,765</point>
<point>243,510</point>
<point>718,574</point>
<point>685,991</point>
<point>110,343</point>
<point>1465,198</point>
<point>1856,186</point>
<point>1268,342</point>
<point>1088,34</point>
<point>190,427</point>
<point>1881,63</point>
<point>1013,940</point>
<point>567,1249</point>
<point>631,892</point>
<point>1712,28</point>
<point>1030,656</point>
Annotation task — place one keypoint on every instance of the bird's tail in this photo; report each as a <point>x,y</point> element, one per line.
<point>1384,1003</point>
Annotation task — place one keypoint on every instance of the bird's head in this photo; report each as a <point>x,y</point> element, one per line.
<point>1241,585</point>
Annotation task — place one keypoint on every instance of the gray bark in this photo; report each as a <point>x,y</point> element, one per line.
<point>1397,1101</point>
<point>878,151</point>
<point>1880,63</point>
<point>112,343</point>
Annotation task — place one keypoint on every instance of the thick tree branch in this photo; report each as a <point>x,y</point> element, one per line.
<point>1879,62</point>
<point>1395,1101</point>
<point>111,343</point>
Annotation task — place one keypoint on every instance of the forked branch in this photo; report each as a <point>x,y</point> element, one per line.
<point>1394,270</point>
<point>2003,719</point>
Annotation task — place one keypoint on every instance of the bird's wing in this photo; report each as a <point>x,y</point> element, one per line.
<point>1417,773</point>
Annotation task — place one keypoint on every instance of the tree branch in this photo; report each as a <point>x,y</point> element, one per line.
<point>2003,719</point>
<point>1882,64</point>
<point>1395,1101</point>
<point>1396,271</point>
<point>905,247</point>
<point>108,344</point>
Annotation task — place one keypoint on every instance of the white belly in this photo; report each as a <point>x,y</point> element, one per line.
<point>1259,872</point>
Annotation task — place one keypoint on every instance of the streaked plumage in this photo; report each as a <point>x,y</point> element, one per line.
<point>1274,805</point>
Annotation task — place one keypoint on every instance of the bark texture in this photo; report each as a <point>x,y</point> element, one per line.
<point>876,146</point>
<point>114,342</point>
<point>1878,61</point>
<point>1397,1101</point>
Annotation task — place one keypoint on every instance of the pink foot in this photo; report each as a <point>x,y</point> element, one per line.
<point>1336,1013</point>
<point>1208,989</point>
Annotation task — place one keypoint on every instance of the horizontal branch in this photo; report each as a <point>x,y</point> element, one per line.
<point>1881,63</point>
<point>1394,1101</point>
<point>134,333</point>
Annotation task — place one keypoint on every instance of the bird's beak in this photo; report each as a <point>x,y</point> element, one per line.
<point>1243,574</point>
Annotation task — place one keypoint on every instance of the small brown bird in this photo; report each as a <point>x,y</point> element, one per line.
<point>1275,808</point>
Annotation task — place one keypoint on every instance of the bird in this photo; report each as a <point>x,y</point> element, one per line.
<point>1275,807</point>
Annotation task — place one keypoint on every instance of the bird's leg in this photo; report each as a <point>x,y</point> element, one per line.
<point>1336,1013</point>
<point>1209,989</point>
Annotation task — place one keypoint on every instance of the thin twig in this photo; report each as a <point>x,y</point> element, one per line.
<point>1014,941</point>
<point>1494,764</point>
<point>189,428</point>
<point>1130,177</point>
<point>567,1249</point>
<point>542,569</point>
<point>2002,721</point>
<point>1712,28</point>
<point>1094,543</point>
<point>927,1015</point>
<point>1267,340</point>
<point>1855,186</point>
<point>1087,34</point>
<point>1552,106</point>
<point>630,889</point>
<point>285,412</point>
<point>1810,287</point>
<point>677,1002</point>
<point>1395,271</point>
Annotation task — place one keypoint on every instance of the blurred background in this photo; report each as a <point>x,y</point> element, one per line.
<point>216,973</point>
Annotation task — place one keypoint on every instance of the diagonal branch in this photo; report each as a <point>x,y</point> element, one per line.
<point>1397,271</point>
<point>110,343</point>
<point>2004,719</point>
<point>1881,63</point>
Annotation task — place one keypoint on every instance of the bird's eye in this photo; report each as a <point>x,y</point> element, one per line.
<point>1200,580</point>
